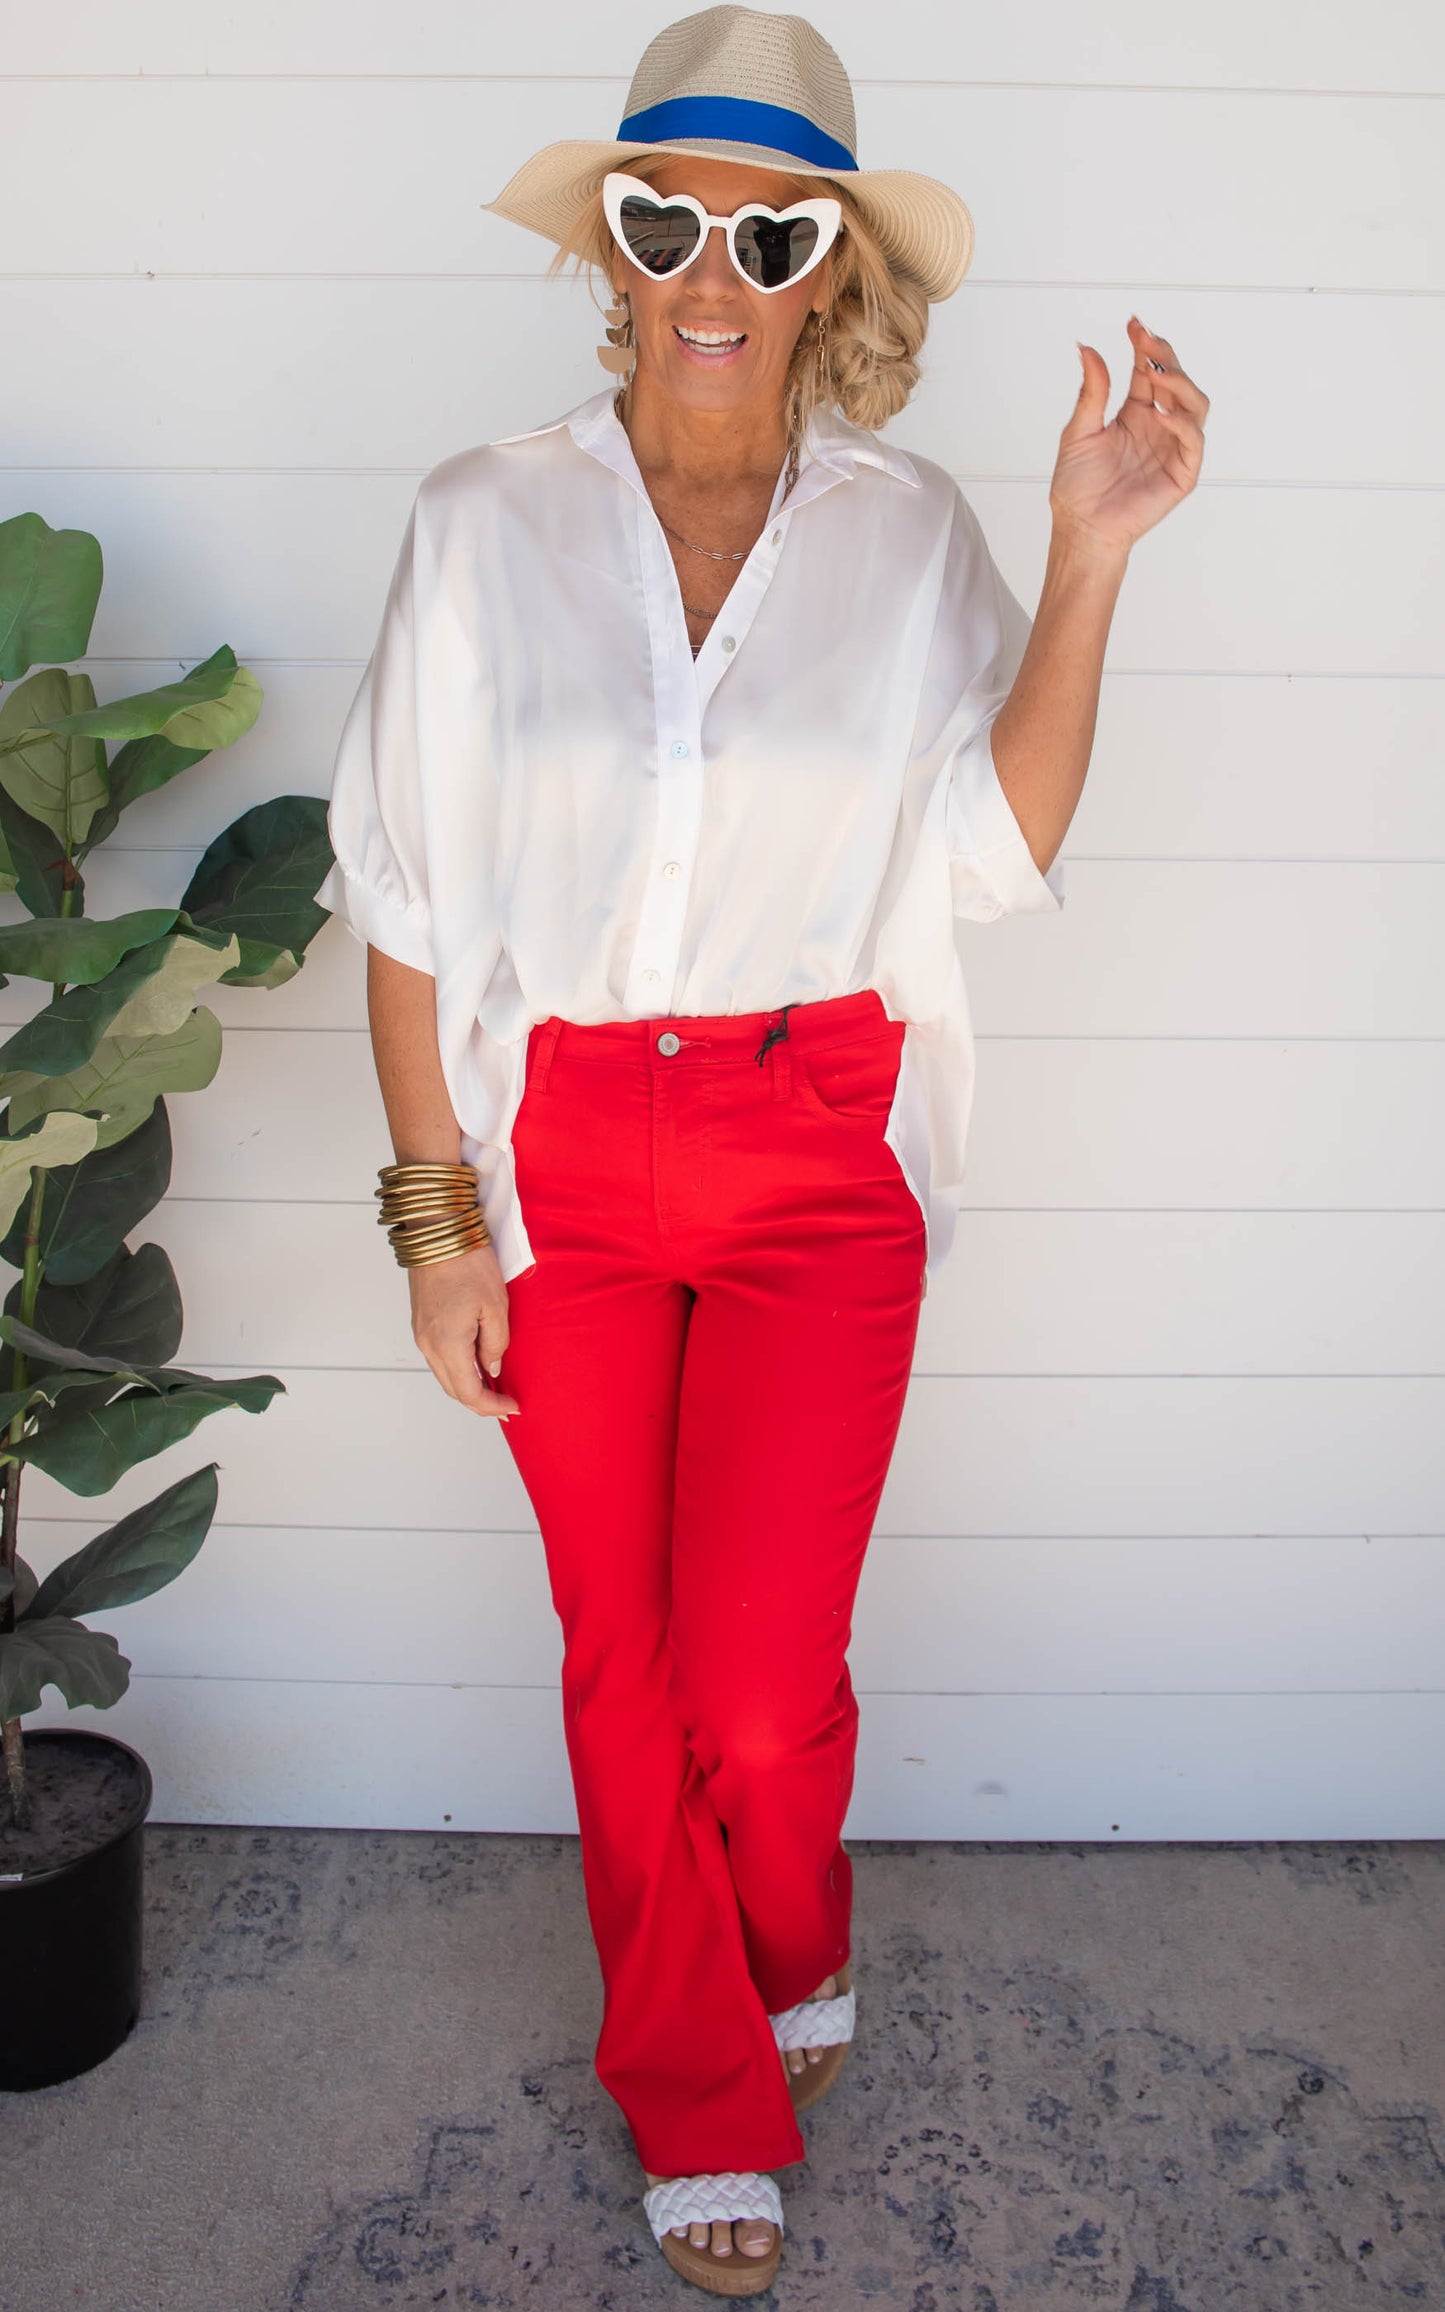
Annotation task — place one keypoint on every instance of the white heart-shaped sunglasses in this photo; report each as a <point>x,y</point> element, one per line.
<point>770,249</point>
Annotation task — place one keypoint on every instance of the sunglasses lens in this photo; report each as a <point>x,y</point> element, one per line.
<point>659,239</point>
<point>772,251</point>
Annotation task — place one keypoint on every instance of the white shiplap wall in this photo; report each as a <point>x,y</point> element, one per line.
<point>1162,1553</point>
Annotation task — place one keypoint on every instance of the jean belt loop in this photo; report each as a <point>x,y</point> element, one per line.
<point>542,1057</point>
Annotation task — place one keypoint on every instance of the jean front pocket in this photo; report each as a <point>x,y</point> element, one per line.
<point>853,1081</point>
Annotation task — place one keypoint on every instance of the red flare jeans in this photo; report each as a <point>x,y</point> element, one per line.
<point>711,1353</point>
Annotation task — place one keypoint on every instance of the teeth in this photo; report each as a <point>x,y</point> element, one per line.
<point>711,336</point>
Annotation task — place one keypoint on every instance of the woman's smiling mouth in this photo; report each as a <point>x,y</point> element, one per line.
<point>709,346</point>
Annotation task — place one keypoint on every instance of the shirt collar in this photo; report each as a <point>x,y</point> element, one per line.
<point>830,442</point>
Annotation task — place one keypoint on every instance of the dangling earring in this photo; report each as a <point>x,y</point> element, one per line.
<point>822,353</point>
<point>619,353</point>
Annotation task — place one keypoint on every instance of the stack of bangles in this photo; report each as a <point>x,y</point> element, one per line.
<point>430,1211</point>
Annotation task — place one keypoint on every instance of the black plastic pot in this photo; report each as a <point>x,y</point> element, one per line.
<point>71,1907</point>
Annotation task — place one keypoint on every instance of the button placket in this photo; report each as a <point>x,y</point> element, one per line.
<point>657,945</point>
<point>682,687</point>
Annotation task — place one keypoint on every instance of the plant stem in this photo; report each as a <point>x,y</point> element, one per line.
<point>11,1741</point>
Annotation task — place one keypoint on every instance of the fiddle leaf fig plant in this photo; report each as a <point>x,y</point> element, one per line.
<point>90,1325</point>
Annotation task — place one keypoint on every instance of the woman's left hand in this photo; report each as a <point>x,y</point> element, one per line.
<point>1113,482</point>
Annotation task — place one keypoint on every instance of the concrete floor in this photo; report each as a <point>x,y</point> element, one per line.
<point>1158,2078</point>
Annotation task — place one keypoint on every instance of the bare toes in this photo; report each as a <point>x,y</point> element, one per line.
<point>755,2236</point>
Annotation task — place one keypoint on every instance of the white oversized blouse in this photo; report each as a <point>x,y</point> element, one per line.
<point>543,800</point>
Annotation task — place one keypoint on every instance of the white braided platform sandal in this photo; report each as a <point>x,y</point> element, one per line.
<point>826,2023</point>
<point>711,2199</point>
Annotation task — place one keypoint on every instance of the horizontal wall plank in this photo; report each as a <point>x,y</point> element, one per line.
<point>1199,949</point>
<point>401,373</point>
<point>1140,948</point>
<point>1051,175</point>
<point>1037,1292</point>
<point>1397,45</point>
<point>1239,580</point>
<point>1258,1766</point>
<point>1262,767</point>
<point>1206,1125</point>
<point>1100,1455</point>
<point>935,1615</point>
<point>1254,766</point>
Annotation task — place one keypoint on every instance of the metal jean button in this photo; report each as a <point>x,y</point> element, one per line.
<point>669,1043</point>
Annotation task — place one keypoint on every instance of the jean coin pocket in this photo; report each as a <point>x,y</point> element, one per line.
<point>854,1080</point>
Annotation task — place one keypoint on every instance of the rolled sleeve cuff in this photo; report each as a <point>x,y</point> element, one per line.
<point>992,868</point>
<point>402,932</point>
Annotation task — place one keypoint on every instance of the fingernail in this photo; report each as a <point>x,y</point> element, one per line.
<point>495,1367</point>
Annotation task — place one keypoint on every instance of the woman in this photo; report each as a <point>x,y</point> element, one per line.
<point>695,719</point>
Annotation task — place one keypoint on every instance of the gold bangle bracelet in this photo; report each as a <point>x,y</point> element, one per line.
<point>418,1256</point>
<point>424,1231</point>
<point>399,1173</point>
<point>438,1232</point>
<point>426,1207</point>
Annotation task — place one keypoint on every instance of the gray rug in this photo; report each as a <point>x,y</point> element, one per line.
<point>1163,2079</point>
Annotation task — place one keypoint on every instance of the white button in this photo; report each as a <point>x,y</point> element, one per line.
<point>650,974</point>
<point>679,749</point>
<point>669,1043</point>
<point>729,643</point>
<point>777,537</point>
<point>673,867</point>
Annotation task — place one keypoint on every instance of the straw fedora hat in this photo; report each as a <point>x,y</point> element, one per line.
<point>745,85</point>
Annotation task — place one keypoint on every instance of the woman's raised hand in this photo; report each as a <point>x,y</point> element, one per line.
<point>1113,482</point>
<point>459,1322</point>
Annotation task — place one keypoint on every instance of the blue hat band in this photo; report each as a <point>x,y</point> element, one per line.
<point>737,120</point>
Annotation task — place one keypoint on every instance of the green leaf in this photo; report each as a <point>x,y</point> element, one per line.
<point>49,586</point>
<point>129,1308</point>
<point>59,780</point>
<point>69,1358</point>
<point>43,872</point>
<point>263,965</point>
<point>22,1582</point>
<point>165,1001</point>
<point>64,1033</point>
<point>9,874</point>
<point>152,991</point>
<point>138,769</point>
<point>124,1077</point>
<point>47,1388</point>
<point>87,1665</point>
<point>75,949</point>
<point>88,1209</point>
<point>137,1556</point>
<point>93,1451</point>
<point>259,878</point>
<point>61,1139</point>
<point>210,707</point>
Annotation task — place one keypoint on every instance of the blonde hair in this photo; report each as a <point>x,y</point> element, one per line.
<point>876,322</point>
